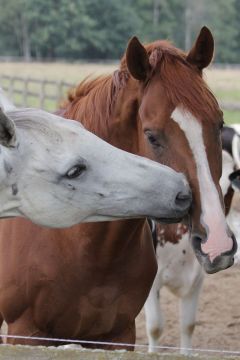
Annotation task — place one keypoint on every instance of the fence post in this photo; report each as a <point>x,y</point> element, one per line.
<point>25,91</point>
<point>60,92</point>
<point>11,88</point>
<point>42,94</point>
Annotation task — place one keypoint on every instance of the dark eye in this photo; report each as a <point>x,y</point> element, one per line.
<point>76,171</point>
<point>152,138</point>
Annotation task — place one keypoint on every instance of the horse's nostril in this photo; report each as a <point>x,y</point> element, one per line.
<point>182,196</point>
<point>197,241</point>
<point>183,199</point>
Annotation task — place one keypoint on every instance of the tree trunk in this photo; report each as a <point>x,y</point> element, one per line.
<point>25,39</point>
<point>156,13</point>
<point>188,28</point>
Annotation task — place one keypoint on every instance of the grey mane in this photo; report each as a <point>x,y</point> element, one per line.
<point>29,117</point>
<point>36,120</point>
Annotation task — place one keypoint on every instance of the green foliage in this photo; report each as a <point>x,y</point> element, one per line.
<point>92,29</point>
<point>221,18</point>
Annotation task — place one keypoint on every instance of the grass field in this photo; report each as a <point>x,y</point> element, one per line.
<point>224,83</point>
<point>72,73</point>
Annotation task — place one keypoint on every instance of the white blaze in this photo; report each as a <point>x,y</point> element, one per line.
<point>212,217</point>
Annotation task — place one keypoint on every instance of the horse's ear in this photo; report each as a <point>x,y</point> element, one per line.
<point>201,53</point>
<point>137,59</point>
<point>7,131</point>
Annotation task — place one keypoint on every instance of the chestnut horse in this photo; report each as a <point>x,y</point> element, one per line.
<point>90,282</point>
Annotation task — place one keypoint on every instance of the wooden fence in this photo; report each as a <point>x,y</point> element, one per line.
<point>25,92</point>
<point>47,94</point>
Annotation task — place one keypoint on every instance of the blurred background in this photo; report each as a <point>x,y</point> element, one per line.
<point>47,41</point>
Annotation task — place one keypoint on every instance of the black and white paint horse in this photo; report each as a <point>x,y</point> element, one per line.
<point>231,143</point>
<point>178,268</point>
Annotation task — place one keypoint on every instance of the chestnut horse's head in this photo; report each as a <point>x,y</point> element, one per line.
<point>181,121</point>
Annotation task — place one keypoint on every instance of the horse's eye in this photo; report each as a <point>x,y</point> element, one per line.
<point>76,171</point>
<point>153,139</point>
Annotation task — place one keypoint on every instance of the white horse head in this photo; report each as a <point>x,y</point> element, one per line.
<point>56,173</point>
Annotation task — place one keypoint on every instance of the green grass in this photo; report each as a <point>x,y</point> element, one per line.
<point>231,95</point>
<point>225,84</point>
<point>49,105</point>
<point>72,73</point>
<point>231,117</point>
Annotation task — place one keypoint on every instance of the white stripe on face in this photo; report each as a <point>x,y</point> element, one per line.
<point>212,216</point>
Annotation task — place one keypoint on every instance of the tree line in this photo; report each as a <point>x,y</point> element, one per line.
<point>100,29</point>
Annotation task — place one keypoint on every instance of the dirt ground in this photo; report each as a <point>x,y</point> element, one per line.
<point>218,321</point>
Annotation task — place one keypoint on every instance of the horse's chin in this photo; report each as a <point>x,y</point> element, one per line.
<point>174,220</point>
<point>221,262</point>
<point>167,220</point>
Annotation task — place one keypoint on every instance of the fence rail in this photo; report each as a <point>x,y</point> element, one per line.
<point>47,94</point>
<point>28,91</point>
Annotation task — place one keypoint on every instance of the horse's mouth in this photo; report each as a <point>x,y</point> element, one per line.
<point>167,220</point>
<point>221,262</point>
<point>185,220</point>
<point>172,220</point>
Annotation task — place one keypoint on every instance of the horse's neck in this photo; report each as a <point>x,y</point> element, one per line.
<point>111,238</point>
<point>103,240</point>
